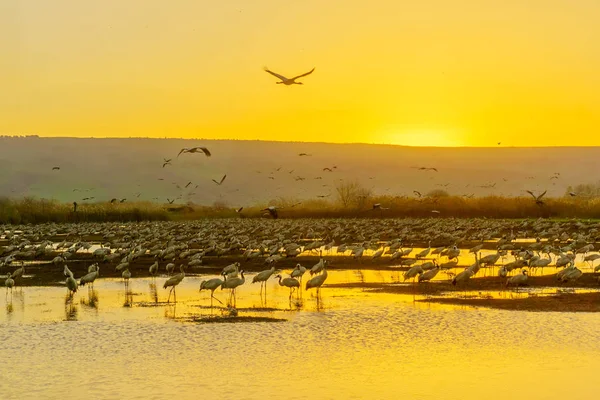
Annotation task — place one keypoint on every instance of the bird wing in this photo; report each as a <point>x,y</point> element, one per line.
<point>223,178</point>
<point>417,193</point>
<point>283,78</point>
<point>205,151</point>
<point>531,193</point>
<point>304,74</point>
<point>181,151</point>
<point>435,169</point>
<point>541,195</point>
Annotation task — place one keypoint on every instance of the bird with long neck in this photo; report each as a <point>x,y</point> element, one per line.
<point>212,285</point>
<point>173,282</point>
<point>233,283</point>
<point>290,283</point>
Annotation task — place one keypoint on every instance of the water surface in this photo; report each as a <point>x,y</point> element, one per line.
<point>349,343</point>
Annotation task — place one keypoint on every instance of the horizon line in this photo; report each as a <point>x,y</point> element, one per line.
<point>37,136</point>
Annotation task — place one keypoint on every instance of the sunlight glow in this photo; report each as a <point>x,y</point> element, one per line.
<point>423,138</point>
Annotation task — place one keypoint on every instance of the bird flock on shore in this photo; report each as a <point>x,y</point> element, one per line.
<point>148,249</point>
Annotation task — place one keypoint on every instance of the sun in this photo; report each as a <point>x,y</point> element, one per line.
<point>424,138</point>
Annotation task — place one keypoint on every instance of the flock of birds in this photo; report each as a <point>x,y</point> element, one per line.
<point>203,150</point>
<point>169,246</point>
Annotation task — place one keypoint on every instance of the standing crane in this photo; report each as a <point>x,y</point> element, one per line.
<point>173,282</point>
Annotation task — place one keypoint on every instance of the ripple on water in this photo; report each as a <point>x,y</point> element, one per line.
<point>361,346</point>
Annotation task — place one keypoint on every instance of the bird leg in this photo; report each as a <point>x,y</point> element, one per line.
<point>169,298</point>
<point>213,297</point>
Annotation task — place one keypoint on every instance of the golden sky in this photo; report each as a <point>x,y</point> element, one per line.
<point>427,72</point>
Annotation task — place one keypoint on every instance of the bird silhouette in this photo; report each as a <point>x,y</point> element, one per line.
<point>288,81</point>
<point>195,150</point>
<point>538,199</point>
<point>221,181</point>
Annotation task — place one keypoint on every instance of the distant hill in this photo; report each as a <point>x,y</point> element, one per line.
<point>258,171</point>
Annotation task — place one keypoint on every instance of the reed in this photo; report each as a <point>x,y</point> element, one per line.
<point>31,210</point>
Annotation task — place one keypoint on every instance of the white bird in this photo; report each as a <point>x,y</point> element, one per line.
<point>174,281</point>
<point>288,81</point>
<point>212,285</point>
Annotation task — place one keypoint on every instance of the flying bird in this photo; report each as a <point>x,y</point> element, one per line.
<point>272,211</point>
<point>195,150</point>
<point>170,201</point>
<point>288,81</point>
<point>221,181</point>
<point>239,210</point>
<point>166,162</point>
<point>188,184</point>
<point>377,206</point>
<point>327,169</point>
<point>304,154</point>
<point>538,199</point>
<point>55,168</point>
<point>417,193</point>
<point>426,169</point>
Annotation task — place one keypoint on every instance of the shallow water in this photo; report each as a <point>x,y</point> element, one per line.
<point>346,344</point>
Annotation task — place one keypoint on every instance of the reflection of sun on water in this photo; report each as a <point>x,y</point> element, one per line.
<point>423,137</point>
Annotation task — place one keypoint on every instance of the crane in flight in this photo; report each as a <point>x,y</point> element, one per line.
<point>195,150</point>
<point>538,199</point>
<point>288,81</point>
<point>221,181</point>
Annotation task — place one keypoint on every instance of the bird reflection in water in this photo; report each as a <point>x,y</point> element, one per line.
<point>153,293</point>
<point>128,297</point>
<point>70,308</point>
<point>9,307</point>
<point>170,311</point>
<point>92,300</point>
<point>20,299</point>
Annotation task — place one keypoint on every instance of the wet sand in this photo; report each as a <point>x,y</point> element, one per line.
<point>443,292</point>
<point>233,320</point>
<point>587,280</point>
<point>560,302</point>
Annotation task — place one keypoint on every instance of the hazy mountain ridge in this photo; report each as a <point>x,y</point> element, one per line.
<point>107,168</point>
